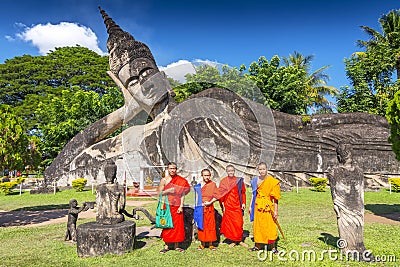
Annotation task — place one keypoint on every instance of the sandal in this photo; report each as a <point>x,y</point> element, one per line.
<point>164,250</point>
<point>200,247</point>
<point>254,249</point>
<point>213,248</point>
<point>180,250</point>
<point>243,244</point>
<point>274,250</point>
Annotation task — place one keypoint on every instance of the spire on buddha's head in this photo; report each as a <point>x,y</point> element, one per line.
<point>124,49</point>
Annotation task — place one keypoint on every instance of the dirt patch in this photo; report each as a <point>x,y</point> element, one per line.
<point>390,218</point>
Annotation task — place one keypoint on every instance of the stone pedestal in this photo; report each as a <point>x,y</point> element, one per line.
<point>95,239</point>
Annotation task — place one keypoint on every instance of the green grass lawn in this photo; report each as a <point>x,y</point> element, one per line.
<point>307,219</point>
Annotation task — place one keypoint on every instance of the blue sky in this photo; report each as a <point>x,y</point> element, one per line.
<point>227,32</point>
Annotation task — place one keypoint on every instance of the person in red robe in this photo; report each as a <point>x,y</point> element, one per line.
<point>176,187</point>
<point>209,194</point>
<point>232,197</point>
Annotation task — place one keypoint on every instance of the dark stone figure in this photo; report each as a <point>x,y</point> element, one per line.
<point>194,182</point>
<point>347,188</point>
<point>110,234</point>
<point>110,198</point>
<point>73,212</point>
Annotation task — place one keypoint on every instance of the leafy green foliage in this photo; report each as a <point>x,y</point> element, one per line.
<point>66,115</point>
<point>319,184</point>
<point>79,184</point>
<point>395,184</point>
<point>291,88</point>
<point>372,72</point>
<point>17,149</point>
<point>393,117</point>
<point>6,187</point>
<point>207,76</point>
<point>282,87</point>
<point>57,95</point>
<point>316,83</point>
<point>305,119</point>
<point>41,76</point>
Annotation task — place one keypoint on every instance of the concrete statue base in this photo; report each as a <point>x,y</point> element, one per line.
<point>94,239</point>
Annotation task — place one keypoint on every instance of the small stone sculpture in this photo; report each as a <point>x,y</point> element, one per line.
<point>73,212</point>
<point>110,198</point>
<point>111,233</point>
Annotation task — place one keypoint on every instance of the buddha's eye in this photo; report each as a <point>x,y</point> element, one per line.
<point>132,82</point>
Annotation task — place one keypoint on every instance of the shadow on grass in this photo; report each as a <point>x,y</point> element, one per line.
<point>139,244</point>
<point>329,239</point>
<point>14,193</point>
<point>19,218</point>
<point>146,235</point>
<point>44,207</point>
<point>32,215</point>
<point>388,211</point>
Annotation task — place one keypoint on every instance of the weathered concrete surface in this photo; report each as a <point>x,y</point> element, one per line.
<point>347,188</point>
<point>94,239</point>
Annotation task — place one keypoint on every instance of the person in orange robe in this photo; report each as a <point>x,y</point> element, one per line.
<point>264,209</point>
<point>233,204</point>
<point>176,187</point>
<point>209,194</point>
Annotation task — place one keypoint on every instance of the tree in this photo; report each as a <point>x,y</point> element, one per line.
<point>17,149</point>
<point>289,88</point>
<point>208,76</point>
<point>393,117</point>
<point>36,86</point>
<point>60,119</point>
<point>282,86</point>
<point>41,76</point>
<point>390,24</point>
<point>315,83</point>
<point>371,72</point>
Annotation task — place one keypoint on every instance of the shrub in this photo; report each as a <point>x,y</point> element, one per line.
<point>305,119</point>
<point>395,184</point>
<point>319,184</point>
<point>79,184</point>
<point>7,187</point>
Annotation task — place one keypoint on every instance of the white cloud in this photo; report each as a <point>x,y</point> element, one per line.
<point>178,70</point>
<point>207,62</point>
<point>9,38</point>
<point>47,37</point>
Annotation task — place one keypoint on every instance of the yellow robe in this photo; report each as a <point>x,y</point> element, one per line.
<point>264,227</point>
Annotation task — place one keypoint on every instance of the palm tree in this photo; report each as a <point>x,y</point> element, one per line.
<point>315,83</point>
<point>390,24</point>
<point>298,60</point>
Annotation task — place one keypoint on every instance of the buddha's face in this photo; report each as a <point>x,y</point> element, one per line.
<point>146,84</point>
